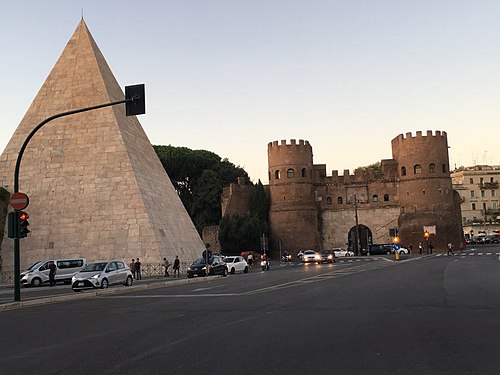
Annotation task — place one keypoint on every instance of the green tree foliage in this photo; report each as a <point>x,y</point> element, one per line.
<point>375,167</point>
<point>198,177</point>
<point>241,233</point>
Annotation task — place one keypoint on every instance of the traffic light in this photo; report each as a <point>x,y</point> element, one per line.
<point>426,235</point>
<point>23,224</point>
<point>13,224</point>
<point>395,239</point>
<point>136,100</point>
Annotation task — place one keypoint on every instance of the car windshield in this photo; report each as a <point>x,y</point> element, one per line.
<point>33,266</point>
<point>199,261</point>
<point>325,252</point>
<point>309,252</point>
<point>94,267</point>
<point>229,260</point>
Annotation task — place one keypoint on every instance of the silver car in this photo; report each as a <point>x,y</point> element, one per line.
<point>101,275</point>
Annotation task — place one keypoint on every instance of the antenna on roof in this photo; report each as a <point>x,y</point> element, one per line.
<point>82,13</point>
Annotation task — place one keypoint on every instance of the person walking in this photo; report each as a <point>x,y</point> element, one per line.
<point>166,264</point>
<point>250,259</point>
<point>420,247</point>
<point>450,246</point>
<point>430,247</point>
<point>138,269</point>
<point>177,266</point>
<point>132,267</point>
<point>52,273</point>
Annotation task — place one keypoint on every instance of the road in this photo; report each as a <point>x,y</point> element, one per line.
<point>429,315</point>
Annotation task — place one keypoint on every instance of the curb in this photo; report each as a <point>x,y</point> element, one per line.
<point>100,292</point>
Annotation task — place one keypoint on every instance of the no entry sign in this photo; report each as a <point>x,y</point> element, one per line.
<point>19,201</point>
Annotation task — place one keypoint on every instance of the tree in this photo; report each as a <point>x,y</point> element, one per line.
<point>199,176</point>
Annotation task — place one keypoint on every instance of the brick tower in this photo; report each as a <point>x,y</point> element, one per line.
<point>293,215</point>
<point>425,191</point>
<point>97,188</point>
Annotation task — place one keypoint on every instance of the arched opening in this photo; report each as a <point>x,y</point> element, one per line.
<point>432,168</point>
<point>303,172</point>
<point>365,238</point>
<point>403,171</point>
<point>375,198</point>
<point>417,169</point>
<point>277,174</point>
<point>443,168</point>
<point>339,200</point>
<point>386,197</point>
<point>328,200</point>
<point>290,173</point>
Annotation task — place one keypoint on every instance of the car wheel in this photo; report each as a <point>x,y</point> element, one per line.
<point>245,270</point>
<point>190,276</point>
<point>346,254</point>
<point>104,283</point>
<point>232,271</point>
<point>224,272</point>
<point>77,290</point>
<point>129,281</point>
<point>36,282</point>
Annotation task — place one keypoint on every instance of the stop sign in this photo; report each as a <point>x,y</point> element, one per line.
<point>19,201</point>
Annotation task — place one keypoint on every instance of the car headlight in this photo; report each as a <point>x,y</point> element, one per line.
<point>330,256</point>
<point>204,269</point>
<point>96,276</point>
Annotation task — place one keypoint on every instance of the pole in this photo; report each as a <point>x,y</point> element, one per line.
<point>17,247</point>
<point>357,224</point>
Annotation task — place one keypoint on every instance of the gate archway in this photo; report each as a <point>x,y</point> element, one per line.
<point>365,238</point>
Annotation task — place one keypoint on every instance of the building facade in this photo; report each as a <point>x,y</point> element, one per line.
<point>409,193</point>
<point>480,202</point>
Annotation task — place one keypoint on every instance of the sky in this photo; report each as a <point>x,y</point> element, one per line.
<point>230,76</point>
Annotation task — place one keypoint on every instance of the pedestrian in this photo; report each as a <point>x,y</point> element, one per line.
<point>138,269</point>
<point>166,264</point>
<point>52,273</point>
<point>132,267</point>
<point>430,247</point>
<point>177,266</point>
<point>250,259</point>
<point>420,247</point>
<point>450,246</point>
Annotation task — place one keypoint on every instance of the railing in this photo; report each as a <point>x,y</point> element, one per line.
<point>488,185</point>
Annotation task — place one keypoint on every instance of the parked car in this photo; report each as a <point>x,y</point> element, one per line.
<point>326,256</point>
<point>101,275</point>
<point>38,273</point>
<point>339,252</point>
<point>215,266</point>
<point>403,250</point>
<point>236,264</point>
<point>380,249</point>
<point>309,256</point>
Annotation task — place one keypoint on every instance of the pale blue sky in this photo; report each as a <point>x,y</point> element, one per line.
<point>230,76</point>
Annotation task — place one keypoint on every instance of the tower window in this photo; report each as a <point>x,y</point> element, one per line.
<point>403,171</point>
<point>375,198</point>
<point>277,174</point>
<point>386,197</point>
<point>432,168</point>
<point>417,169</point>
<point>303,172</point>
<point>339,200</point>
<point>328,200</point>
<point>443,168</point>
<point>290,173</point>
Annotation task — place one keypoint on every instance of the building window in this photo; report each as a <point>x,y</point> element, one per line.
<point>493,193</point>
<point>472,194</point>
<point>491,179</point>
<point>432,168</point>
<point>290,173</point>
<point>277,175</point>
<point>375,198</point>
<point>403,171</point>
<point>417,169</point>
<point>482,194</point>
<point>339,200</point>
<point>423,192</point>
<point>303,172</point>
<point>473,207</point>
<point>484,207</point>
<point>443,168</point>
<point>495,205</point>
<point>328,200</point>
<point>471,181</point>
<point>386,197</point>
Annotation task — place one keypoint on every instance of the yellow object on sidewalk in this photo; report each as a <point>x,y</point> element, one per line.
<point>397,255</point>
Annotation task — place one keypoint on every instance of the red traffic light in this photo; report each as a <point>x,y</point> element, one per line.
<point>24,216</point>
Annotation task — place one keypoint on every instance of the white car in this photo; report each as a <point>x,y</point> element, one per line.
<point>310,256</point>
<point>101,275</point>
<point>236,264</point>
<point>403,250</point>
<point>343,253</point>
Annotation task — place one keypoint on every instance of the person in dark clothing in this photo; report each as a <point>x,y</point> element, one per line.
<point>52,273</point>
<point>177,266</point>
<point>138,269</point>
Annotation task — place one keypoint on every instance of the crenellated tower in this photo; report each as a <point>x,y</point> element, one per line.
<point>425,190</point>
<point>293,214</point>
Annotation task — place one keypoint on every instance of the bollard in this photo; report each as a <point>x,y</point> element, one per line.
<point>397,255</point>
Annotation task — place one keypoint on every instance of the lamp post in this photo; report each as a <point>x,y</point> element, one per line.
<point>356,248</point>
<point>135,105</point>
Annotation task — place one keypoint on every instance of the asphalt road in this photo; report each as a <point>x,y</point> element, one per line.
<point>430,315</point>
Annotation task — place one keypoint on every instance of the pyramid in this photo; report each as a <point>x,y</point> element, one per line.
<point>97,188</point>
